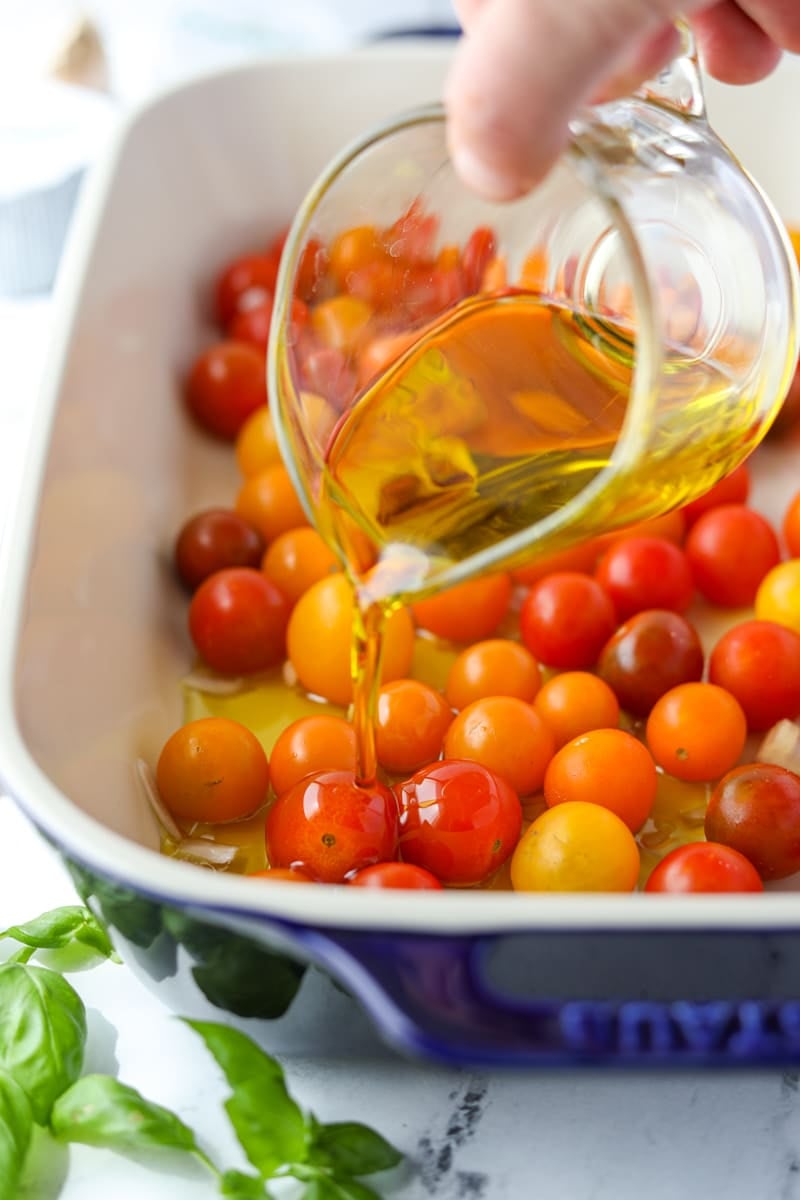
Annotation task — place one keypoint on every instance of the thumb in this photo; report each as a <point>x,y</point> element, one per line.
<point>525,66</point>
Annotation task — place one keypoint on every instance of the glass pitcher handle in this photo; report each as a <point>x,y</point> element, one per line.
<point>679,86</point>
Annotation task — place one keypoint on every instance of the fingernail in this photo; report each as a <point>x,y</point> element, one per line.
<point>486,180</point>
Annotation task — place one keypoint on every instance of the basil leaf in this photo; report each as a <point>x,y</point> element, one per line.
<point>350,1148</point>
<point>16,1127</point>
<point>61,926</point>
<point>243,1187</point>
<point>100,1111</point>
<point>270,1127</point>
<point>327,1188</point>
<point>42,1033</point>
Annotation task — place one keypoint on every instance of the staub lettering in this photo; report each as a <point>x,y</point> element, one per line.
<point>716,1029</point>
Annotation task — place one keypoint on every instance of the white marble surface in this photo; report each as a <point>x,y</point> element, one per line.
<point>567,1136</point>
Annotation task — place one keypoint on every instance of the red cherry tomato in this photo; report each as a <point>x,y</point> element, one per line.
<point>237,621</point>
<point>791,526</point>
<point>646,572</point>
<point>458,820</point>
<point>756,810</point>
<point>252,276</point>
<point>732,489</point>
<point>395,875</point>
<point>730,549</point>
<point>758,662</point>
<point>478,252</point>
<point>651,653</point>
<point>213,540</point>
<point>329,827</point>
<point>566,619</point>
<point>225,386</point>
<point>704,867</point>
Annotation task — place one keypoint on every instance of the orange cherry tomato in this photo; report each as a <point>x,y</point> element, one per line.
<point>323,742</point>
<point>506,735</point>
<point>352,249</point>
<point>212,770</point>
<point>468,612</point>
<point>269,502</point>
<point>576,847</point>
<point>697,731</point>
<point>341,322</point>
<point>495,667</point>
<point>608,767</point>
<point>576,702</point>
<point>319,638</point>
<point>296,559</point>
<point>256,443</point>
<point>329,826</point>
<point>410,725</point>
<point>282,875</point>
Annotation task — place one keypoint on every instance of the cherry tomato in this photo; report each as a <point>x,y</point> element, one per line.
<point>251,276</point>
<point>496,667</point>
<point>395,875</point>
<point>252,325</point>
<point>212,540</point>
<point>212,770</point>
<point>310,745</point>
<point>608,767</point>
<point>575,702</point>
<point>731,489</point>
<point>237,621</point>
<point>506,735</point>
<point>412,235</point>
<point>756,810</point>
<point>256,443</point>
<point>730,549</point>
<point>778,595</point>
<point>311,270</point>
<point>758,662</point>
<point>468,612</point>
<point>329,826</point>
<point>576,847</point>
<point>410,725</point>
<point>269,502</point>
<point>704,867</point>
<point>296,559</point>
<point>458,820</point>
<point>352,249</point>
<point>479,250</point>
<point>581,558</point>
<point>566,619</point>
<point>789,413</point>
<point>650,653</point>
<point>341,322</point>
<point>646,572</point>
<point>281,875</point>
<point>226,384</point>
<point>791,526</point>
<point>696,731</point>
<point>319,636</point>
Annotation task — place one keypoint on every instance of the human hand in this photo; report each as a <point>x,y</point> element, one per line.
<point>525,66</point>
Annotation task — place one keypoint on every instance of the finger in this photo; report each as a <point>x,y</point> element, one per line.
<point>467,11</point>
<point>780,20</point>
<point>523,69</point>
<point>646,62</point>
<point>732,46</point>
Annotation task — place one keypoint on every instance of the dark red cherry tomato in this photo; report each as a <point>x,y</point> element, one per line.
<point>756,810</point>
<point>213,540</point>
<point>395,875</point>
<point>226,384</point>
<point>237,621</point>
<point>330,827</point>
<point>651,653</point>
<point>458,820</point>
<point>704,867</point>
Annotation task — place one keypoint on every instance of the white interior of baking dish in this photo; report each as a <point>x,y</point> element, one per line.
<point>93,641</point>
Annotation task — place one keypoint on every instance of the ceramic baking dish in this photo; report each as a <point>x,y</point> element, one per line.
<point>93,639</point>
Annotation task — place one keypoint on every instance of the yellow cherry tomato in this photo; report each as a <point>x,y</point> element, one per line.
<point>576,847</point>
<point>778,595</point>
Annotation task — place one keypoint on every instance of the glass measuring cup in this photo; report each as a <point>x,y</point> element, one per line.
<point>630,338</point>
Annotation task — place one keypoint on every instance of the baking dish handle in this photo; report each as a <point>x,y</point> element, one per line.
<point>433,996</point>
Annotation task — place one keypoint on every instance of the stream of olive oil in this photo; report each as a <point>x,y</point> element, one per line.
<point>499,416</point>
